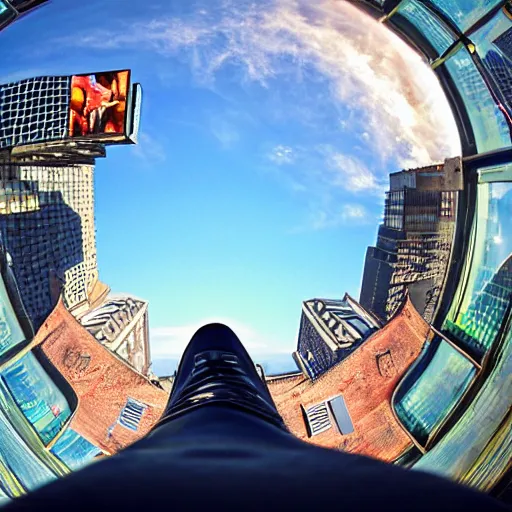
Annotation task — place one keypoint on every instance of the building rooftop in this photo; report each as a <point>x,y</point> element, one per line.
<point>106,387</point>
<point>366,380</point>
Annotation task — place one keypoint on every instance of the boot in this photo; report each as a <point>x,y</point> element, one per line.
<point>216,369</point>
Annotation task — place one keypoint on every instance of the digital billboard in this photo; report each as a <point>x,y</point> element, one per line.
<point>98,105</point>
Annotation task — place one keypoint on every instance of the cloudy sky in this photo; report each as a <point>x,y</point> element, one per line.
<point>268,130</point>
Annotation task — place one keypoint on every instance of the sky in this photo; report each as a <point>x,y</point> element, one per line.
<point>268,131</point>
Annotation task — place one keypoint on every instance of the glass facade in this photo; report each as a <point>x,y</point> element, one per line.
<point>465,13</point>
<point>430,27</point>
<point>426,398</point>
<point>476,316</point>
<point>38,397</point>
<point>494,48</point>
<point>74,450</point>
<point>23,466</point>
<point>489,124</point>
<point>10,330</point>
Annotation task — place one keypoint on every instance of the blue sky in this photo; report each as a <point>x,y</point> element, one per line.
<point>267,133</point>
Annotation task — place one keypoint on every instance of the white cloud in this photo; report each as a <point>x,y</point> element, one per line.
<point>354,211</point>
<point>328,218</point>
<point>224,131</point>
<point>282,155</point>
<point>149,149</point>
<point>403,113</point>
<point>352,174</point>
<point>169,342</point>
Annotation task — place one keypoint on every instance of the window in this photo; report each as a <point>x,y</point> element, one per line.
<point>74,450</point>
<point>493,45</point>
<point>10,330</point>
<point>38,397</point>
<point>486,290</point>
<point>427,23</point>
<point>465,13</point>
<point>317,419</point>
<point>487,120</point>
<point>359,325</point>
<point>341,415</point>
<point>426,397</point>
<point>131,414</point>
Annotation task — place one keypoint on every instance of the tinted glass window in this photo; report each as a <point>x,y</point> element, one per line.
<point>477,315</point>
<point>74,450</point>
<point>40,400</point>
<point>465,13</point>
<point>487,120</point>
<point>431,392</point>
<point>428,24</point>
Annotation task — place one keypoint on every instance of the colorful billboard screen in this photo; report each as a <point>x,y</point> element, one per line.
<point>98,104</point>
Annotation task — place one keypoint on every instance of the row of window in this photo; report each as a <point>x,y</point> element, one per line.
<point>320,417</point>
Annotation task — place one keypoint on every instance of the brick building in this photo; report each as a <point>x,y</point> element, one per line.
<point>115,404</point>
<point>349,406</point>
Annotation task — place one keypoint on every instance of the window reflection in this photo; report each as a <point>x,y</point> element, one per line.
<point>10,330</point>
<point>465,13</point>
<point>489,125</point>
<point>74,450</point>
<point>38,397</point>
<point>23,466</point>
<point>428,395</point>
<point>494,47</point>
<point>488,287</point>
<point>428,24</point>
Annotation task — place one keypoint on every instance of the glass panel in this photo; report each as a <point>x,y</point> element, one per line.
<point>425,399</point>
<point>428,24</point>
<point>22,463</point>
<point>478,314</point>
<point>494,46</point>
<point>74,450</point>
<point>10,330</point>
<point>465,13</point>
<point>474,434</point>
<point>40,400</point>
<point>487,120</point>
<point>359,325</point>
<point>341,415</point>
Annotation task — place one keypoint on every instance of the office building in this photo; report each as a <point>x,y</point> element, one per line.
<point>330,330</point>
<point>414,241</point>
<point>47,228</point>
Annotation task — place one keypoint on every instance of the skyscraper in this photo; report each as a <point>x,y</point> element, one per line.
<point>414,241</point>
<point>47,228</point>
